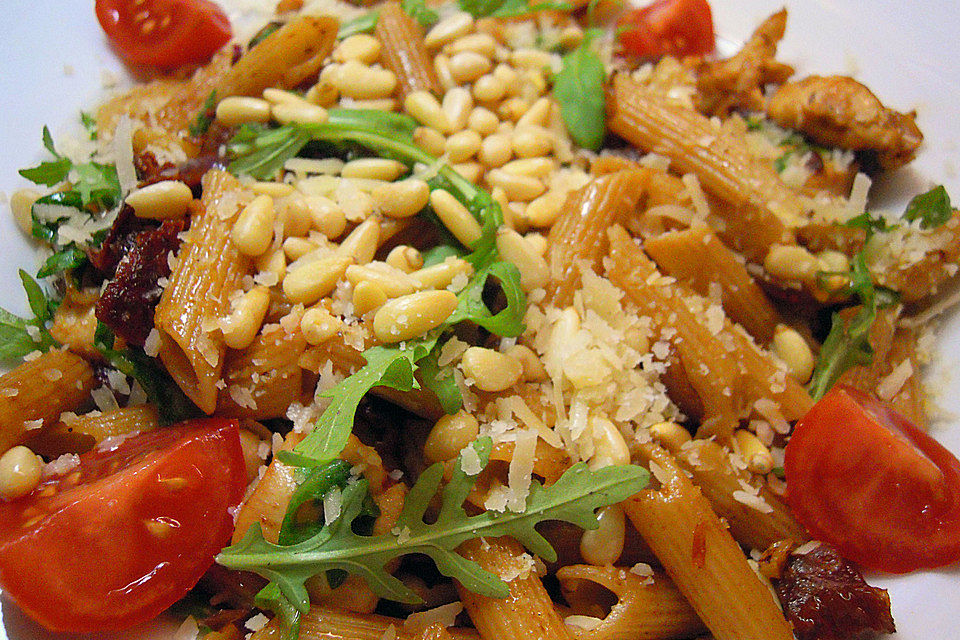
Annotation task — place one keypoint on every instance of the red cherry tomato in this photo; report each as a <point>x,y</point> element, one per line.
<point>164,33</point>
<point>865,479</point>
<point>668,27</point>
<point>126,533</point>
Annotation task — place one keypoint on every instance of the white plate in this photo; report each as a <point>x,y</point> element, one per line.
<point>54,60</point>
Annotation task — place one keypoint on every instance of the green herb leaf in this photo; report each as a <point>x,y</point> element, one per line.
<point>205,117</point>
<point>261,152</point>
<point>509,321</point>
<point>89,124</point>
<point>270,598</point>
<point>320,480</point>
<point>19,336</point>
<point>510,8</point>
<point>440,381</point>
<point>48,173</point>
<point>933,208</point>
<point>36,298</point>
<point>64,260</point>
<point>578,89</point>
<point>419,11</point>
<point>573,498</point>
<point>363,24</point>
<point>869,223</point>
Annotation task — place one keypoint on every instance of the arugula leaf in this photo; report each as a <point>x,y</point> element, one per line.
<point>933,208</point>
<point>509,321</point>
<point>419,11</point>
<point>206,115</point>
<point>578,89</point>
<point>89,124</point>
<point>36,298</point>
<point>440,381</point>
<point>260,152</point>
<point>320,480</point>
<point>510,8</point>
<point>573,498</point>
<point>63,260</point>
<point>270,598</point>
<point>362,24</point>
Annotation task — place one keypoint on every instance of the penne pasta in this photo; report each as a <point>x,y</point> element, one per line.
<point>404,53</point>
<point>323,623</point>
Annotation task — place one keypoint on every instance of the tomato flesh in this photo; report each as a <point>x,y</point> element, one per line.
<point>668,27</point>
<point>126,533</point>
<point>164,33</point>
<point>865,479</point>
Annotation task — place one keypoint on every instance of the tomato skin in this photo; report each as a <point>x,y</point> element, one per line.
<point>668,27</point>
<point>164,33</point>
<point>80,553</point>
<point>865,479</point>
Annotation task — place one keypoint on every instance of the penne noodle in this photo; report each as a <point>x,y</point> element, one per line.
<point>82,432</point>
<point>404,53</point>
<point>322,623</point>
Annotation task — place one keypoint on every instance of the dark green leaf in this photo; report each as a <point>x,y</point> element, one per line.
<point>364,24</point>
<point>63,260</point>
<point>509,321</point>
<point>578,89</point>
<point>440,381</point>
<point>89,123</point>
<point>36,298</point>
<point>270,598</point>
<point>261,152</point>
<point>932,208</point>
<point>439,253</point>
<point>869,223</point>
<point>98,185</point>
<point>48,173</point>
<point>419,11</point>
<point>510,8</point>
<point>16,341</point>
<point>205,117</point>
<point>48,142</point>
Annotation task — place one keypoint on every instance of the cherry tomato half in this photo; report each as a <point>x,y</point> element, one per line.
<point>164,33</point>
<point>126,533</point>
<point>668,27</point>
<point>865,479</point>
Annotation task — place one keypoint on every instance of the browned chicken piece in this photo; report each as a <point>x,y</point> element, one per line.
<point>838,111</point>
<point>738,82</point>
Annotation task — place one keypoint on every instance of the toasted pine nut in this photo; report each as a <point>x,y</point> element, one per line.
<point>449,29</point>
<point>517,187</point>
<point>430,140</point>
<point>754,453</point>
<point>488,88</point>
<point>21,206</point>
<point>450,435</point>
<point>790,347</point>
<point>296,248</point>
<point>19,472</point>
<point>295,215</point>
<point>537,114</point>
<point>490,370</point>
<point>161,200</point>
<point>482,43</point>
<point>393,282</point>
<point>413,315</point>
<point>513,248</point>
<point>373,169</point>
<point>670,435</point>
<point>471,171</point>
<point>361,244</point>
<point>318,325</point>
<point>544,211</point>
<point>509,77</point>
<point>441,64</point>
<point>533,167</point>
<point>405,258</point>
<point>272,189</point>
<point>323,94</point>
<point>241,326</point>
<point>467,66</point>
<point>790,262</point>
<point>530,142</point>
<point>533,370</point>
<point>326,216</point>
<point>512,109</point>
<point>236,110</point>
<point>427,111</point>
<point>274,261</point>
<point>536,240</point>
<point>360,82</point>
<point>495,150</point>
<point>378,104</point>
<point>483,121</point>
<point>571,37</point>
<point>602,546</point>
<point>455,217</point>
<point>309,282</point>
<point>401,199</point>
<point>458,104</point>
<point>441,275</point>
<point>361,46</point>
<point>280,96</point>
<point>253,230</point>
<point>610,448</point>
<point>837,262</point>
<point>462,145</point>
<point>530,58</point>
<point>367,296</point>
<point>306,113</point>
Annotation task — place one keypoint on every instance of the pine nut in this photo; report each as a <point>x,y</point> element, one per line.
<point>401,199</point>
<point>373,169</point>
<point>161,200</point>
<point>488,88</point>
<point>449,29</point>
<point>754,453</point>
<point>512,109</point>
<point>441,64</point>
<point>318,325</point>
<point>482,43</point>
<point>296,217</point>
<point>309,282</point>
<point>571,37</point>
<point>462,146</point>
<point>790,262</point>
<point>533,370</point>
<point>670,435</point>
<point>490,370</point>
<point>405,258</point>
<point>839,264</point>
<point>536,241</point>
<point>21,206</point>
<point>362,47</point>
<point>455,217</point>
<point>296,248</point>
<point>367,296</point>
<point>360,82</point>
<point>530,59</point>
<point>529,142</point>
<point>521,188</point>
<point>413,315</point>
<point>495,150</point>
<point>534,271</point>
<point>442,275</point>
<point>253,230</point>
<point>603,546</point>
<point>280,96</point>
<point>430,140</point>
<point>20,472</point>
<point>393,282</point>
<point>427,111</point>
<point>471,171</point>
<point>241,326</point>
<point>483,121</point>
<point>532,167</point>
<point>378,104</point>
<point>537,114</point>
<point>467,66</point>
<point>325,216</point>
<point>450,435</point>
<point>305,113</point>
<point>610,448</point>
<point>274,262</point>
<point>457,104</point>
<point>544,211</point>
<point>790,347</point>
<point>272,189</point>
<point>237,110</point>
<point>324,93</point>
<point>361,244</point>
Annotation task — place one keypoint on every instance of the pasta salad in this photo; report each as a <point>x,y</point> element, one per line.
<point>638,250</point>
